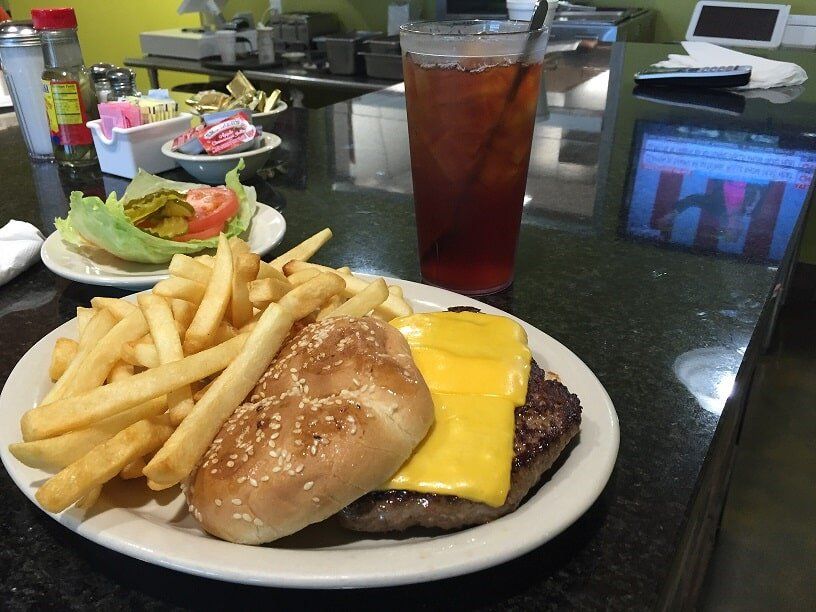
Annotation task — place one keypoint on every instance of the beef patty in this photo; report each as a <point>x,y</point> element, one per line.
<point>545,424</point>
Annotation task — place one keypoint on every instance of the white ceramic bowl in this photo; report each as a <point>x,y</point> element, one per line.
<point>211,169</point>
<point>267,120</point>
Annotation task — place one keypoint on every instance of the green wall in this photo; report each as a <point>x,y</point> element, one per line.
<point>109,29</point>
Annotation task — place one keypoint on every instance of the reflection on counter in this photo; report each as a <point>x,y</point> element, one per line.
<point>732,192</point>
<point>709,374</point>
<point>370,138</point>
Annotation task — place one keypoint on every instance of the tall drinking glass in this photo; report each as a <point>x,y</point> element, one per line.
<point>471,89</point>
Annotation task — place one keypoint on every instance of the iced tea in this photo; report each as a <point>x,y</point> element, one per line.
<point>470,148</point>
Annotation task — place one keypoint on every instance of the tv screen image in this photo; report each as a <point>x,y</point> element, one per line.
<point>725,191</point>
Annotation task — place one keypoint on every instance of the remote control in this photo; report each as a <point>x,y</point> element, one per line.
<point>709,76</point>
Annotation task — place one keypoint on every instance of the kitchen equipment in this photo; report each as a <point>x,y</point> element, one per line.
<point>22,62</point>
<point>383,65</point>
<point>342,51</point>
<point>571,21</point>
<point>301,28</point>
<point>383,59</point>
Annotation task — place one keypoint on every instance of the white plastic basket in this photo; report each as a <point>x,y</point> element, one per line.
<point>129,149</point>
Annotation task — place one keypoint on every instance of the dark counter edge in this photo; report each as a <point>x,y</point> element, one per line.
<point>681,588</point>
<point>154,63</point>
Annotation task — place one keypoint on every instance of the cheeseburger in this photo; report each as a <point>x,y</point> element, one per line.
<point>437,419</point>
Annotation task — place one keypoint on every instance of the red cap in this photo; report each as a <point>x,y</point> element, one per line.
<point>53,18</point>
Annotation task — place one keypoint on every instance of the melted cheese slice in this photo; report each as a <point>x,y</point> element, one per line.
<point>477,367</point>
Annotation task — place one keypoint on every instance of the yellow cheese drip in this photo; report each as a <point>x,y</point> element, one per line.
<point>477,367</point>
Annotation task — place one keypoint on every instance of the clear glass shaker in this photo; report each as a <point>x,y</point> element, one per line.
<point>22,63</point>
<point>70,100</point>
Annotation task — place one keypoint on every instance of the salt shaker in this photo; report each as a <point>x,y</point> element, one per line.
<point>22,63</point>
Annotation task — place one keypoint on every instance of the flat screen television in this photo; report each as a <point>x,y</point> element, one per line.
<point>734,192</point>
<point>456,9</point>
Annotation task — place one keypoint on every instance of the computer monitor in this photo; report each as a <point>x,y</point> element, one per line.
<point>735,192</point>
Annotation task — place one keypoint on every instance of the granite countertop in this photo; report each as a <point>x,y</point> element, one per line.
<point>664,309</point>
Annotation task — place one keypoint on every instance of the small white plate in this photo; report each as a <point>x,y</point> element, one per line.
<point>98,267</point>
<point>155,527</point>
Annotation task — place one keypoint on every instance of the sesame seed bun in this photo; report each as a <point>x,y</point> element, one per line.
<point>337,413</point>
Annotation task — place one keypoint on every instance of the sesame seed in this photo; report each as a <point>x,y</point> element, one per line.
<point>253,482</point>
<point>276,469</point>
<point>299,468</point>
<point>247,518</point>
<point>237,515</point>
<point>241,480</point>
<point>217,502</point>
<point>308,485</point>
<point>316,500</point>
<point>257,521</point>
<point>230,463</point>
<point>264,478</point>
<point>214,471</point>
<point>236,501</point>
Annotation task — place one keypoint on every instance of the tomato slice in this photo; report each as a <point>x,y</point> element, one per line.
<point>210,232</point>
<point>214,206</point>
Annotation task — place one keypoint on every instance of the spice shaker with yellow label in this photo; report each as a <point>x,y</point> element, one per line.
<point>68,92</point>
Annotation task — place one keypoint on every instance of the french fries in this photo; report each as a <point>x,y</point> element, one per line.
<point>177,458</point>
<point>140,354</point>
<point>103,463</point>
<point>55,453</point>
<point>265,290</point>
<point>96,365</point>
<point>394,306</point>
<point>362,303</point>
<point>101,323</point>
<point>90,498</point>
<point>201,332</point>
<point>298,278</point>
<point>303,251</point>
<point>308,297</point>
<point>65,350</point>
<point>246,270</point>
<point>168,349</point>
<point>118,308</point>
<point>266,270</point>
<point>203,337</point>
<point>185,266</point>
<point>180,288</point>
<point>85,409</point>
<point>133,469</point>
<point>83,316</point>
<point>183,313</point>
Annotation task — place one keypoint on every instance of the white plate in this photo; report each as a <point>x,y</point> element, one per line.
<point>156,527</point>
<point>97,267</point>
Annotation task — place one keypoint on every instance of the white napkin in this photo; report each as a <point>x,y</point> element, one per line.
<point>19,248</point>
<point>765,73</point>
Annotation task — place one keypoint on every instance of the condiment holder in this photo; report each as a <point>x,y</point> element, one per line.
<point>129,149</point>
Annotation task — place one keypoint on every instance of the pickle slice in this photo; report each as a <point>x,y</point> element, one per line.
<point>139,209</point>
<point>168,227</point>
<point>177,208</point>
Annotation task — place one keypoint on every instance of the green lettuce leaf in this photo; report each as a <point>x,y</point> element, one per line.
<point>104,224</point>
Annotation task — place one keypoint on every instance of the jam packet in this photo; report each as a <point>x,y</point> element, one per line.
<point>230,135</point>
<point>219,133</point>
